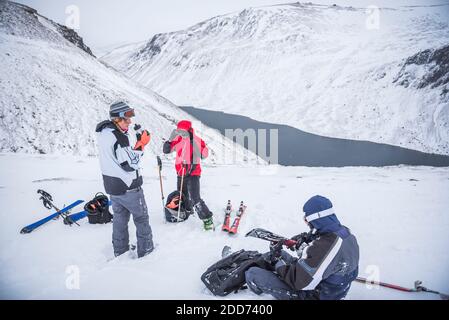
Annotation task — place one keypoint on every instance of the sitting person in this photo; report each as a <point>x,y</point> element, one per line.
<point>327,265</point>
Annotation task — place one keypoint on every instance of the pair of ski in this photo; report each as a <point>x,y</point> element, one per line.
<point>64,212</point>
<point>68,218</point>
<point>227,227</point>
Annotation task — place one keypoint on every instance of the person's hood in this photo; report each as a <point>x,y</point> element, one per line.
<point>319,213</point>
<point>185,125</point>
<point>105,124</point>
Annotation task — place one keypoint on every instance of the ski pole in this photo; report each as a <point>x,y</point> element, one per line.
<point>182,183</point>
<point>383,284</point>
<point>47,201</point>
<point>418,287</point>
<point>159,164</point>
<point>182,180</point>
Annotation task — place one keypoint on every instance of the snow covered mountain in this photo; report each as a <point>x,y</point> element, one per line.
<point>330,70</point>
<point>53,92</point>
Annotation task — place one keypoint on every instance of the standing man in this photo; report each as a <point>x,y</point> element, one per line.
<point>326,266</point>
<point>190,149</point>
<point>119,164</point>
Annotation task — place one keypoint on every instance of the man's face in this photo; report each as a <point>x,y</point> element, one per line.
<point>124,123</point>
<point>307,223</point>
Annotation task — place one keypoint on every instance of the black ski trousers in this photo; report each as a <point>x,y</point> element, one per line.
<point>192,197</point>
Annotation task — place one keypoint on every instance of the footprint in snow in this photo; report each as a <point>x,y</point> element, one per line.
<point>52,179</point>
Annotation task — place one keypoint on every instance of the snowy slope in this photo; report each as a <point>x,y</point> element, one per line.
<point>316,67</point>
<point>119,54</point>
<point>399,215</point>
<point>53,92</point>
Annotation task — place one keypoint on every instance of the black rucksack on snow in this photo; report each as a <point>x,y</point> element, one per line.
<point>228,274</point>
<point>98,209</point>
<point>172,206</point>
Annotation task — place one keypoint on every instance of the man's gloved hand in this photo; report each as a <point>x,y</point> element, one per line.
<point>166,148</point>
<point>143,139</point>
<point>300,238</point>
<point>272,256</point>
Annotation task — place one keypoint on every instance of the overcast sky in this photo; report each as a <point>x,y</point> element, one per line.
<point>105,23</point>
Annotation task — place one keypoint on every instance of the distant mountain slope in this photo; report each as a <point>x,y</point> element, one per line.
<point>53,92</point>
<point>318,68</point>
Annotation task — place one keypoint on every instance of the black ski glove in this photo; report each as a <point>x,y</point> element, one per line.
<point>166,147</point>
<point>300,239</point>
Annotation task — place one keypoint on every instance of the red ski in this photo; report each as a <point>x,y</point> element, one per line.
<point>227,219</point>
<point>235,225</point>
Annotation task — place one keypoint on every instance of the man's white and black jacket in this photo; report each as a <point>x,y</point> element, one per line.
<point>118,161</point>
<point>328,265</point>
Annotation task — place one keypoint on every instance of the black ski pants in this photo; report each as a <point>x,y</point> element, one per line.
<point>192,197</point>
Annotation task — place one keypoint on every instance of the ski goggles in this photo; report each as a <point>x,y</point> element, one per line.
<point>320,214</point>
<point>126,114</point>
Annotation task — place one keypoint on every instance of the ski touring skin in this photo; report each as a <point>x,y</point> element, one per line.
<point>272,237</point>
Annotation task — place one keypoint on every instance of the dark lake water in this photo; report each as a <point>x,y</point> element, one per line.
<point>299,148</point>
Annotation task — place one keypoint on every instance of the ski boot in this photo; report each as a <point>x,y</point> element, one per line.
<point>209,224</point>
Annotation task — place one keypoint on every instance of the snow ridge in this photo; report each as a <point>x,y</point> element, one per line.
<point>322,69</point>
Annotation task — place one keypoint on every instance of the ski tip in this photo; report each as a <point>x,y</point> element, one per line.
<point>25,230</point>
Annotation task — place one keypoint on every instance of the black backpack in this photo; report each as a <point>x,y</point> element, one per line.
<point>228,274</point>
<point>171,208</point>
<point>98,209</point>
